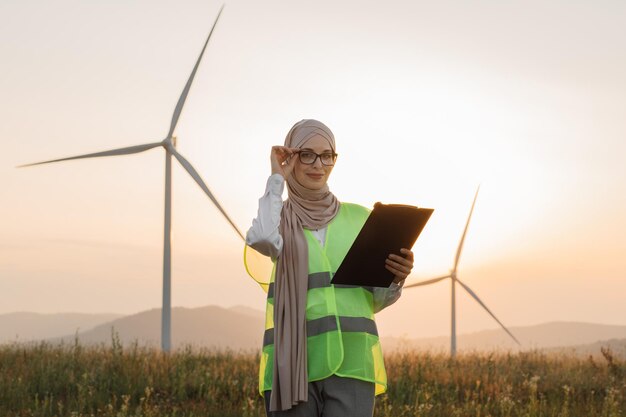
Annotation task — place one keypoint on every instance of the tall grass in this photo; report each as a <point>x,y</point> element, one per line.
<point>47,380</point>
<point>57,380</point>
<point>528,384</point>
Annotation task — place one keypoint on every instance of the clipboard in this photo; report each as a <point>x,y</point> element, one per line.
<point>389,228</point>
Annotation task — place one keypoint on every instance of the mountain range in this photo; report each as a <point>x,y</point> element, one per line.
<point>25,327</point>
<point>236,328</point>
<point>574,337</point>
<point>241,328</point>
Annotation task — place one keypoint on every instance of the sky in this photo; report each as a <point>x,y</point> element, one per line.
<point>427,100</point>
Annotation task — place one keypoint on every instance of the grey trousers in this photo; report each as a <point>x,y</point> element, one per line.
<point>332,397</point>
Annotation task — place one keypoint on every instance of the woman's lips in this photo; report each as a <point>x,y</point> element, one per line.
<point>316,176</point>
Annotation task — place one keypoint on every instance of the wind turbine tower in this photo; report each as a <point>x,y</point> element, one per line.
<point>454,279</point>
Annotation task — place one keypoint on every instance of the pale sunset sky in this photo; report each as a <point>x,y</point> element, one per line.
<point>427,100</point>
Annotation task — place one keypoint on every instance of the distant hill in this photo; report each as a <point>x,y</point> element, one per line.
<point>541,336</point>
<point>23,327</point>
<point>617,348</point>
<point>241,328</point>
<point>237,328</point>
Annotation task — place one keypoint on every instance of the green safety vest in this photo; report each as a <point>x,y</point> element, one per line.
<point>342,338</point>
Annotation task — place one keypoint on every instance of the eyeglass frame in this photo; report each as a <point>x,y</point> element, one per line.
<point>318,155</point>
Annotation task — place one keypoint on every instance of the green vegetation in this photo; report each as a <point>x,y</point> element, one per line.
<point>46,380</point>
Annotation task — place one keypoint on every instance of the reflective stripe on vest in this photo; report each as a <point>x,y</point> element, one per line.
<point>328,324</point>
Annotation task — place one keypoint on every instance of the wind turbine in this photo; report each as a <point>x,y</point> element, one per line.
<point>453,280</point>
<point>169,144</point>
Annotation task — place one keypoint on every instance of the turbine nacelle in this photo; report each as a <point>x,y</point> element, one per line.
<point>169,144</point>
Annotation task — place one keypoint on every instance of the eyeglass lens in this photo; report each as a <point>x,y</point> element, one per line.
<point>309,158</point>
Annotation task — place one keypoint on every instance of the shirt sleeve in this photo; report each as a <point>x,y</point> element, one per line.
<point>263,236</point>
<point>384,297</point>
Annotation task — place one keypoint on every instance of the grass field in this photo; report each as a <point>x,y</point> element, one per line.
<point>72,380</point>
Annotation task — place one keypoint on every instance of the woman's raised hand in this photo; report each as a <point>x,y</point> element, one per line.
<point>282,161</point>
<point>400,266</point>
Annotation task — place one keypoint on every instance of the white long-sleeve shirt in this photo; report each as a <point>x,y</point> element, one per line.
<point>264,236</point>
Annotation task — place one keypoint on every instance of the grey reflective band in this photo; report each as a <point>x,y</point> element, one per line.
<point>268,337</point>
<point>329,324</point>
<point>318,280</point>
<point>321,325</point>
<point>358,324</point>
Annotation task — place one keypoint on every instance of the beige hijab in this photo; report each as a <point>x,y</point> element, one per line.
<point>309,209</point>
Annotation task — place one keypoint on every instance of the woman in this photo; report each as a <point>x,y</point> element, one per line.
<point>321,353</point>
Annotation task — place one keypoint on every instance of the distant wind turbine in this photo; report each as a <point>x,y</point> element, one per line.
<point>454,279</point>
<point>169,144</point>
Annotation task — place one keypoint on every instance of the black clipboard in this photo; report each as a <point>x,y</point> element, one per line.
<point>389,228</point>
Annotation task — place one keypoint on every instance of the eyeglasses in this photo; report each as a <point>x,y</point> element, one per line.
<point>308,158</point>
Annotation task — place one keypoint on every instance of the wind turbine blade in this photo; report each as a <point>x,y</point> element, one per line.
<point>460,248</point>
<point>183,96</point>
<point>113,152</point>
<point>427,282</point>
<point>473,294</point>
<point>194,174</point>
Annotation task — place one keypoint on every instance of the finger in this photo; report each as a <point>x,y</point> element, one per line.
<point>407,252</point>
<point>277,152</point>
<point>407,255</point>
<point>286,149</point>
<point>403,268</point>
<point>401,260</point>
<point>281,155</point>
<point>280,148</point>
<point>398,274</point>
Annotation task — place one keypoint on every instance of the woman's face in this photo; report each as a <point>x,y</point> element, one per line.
<point>316,175</point>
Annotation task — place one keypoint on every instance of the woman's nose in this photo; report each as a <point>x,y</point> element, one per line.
<point>318,162</point>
